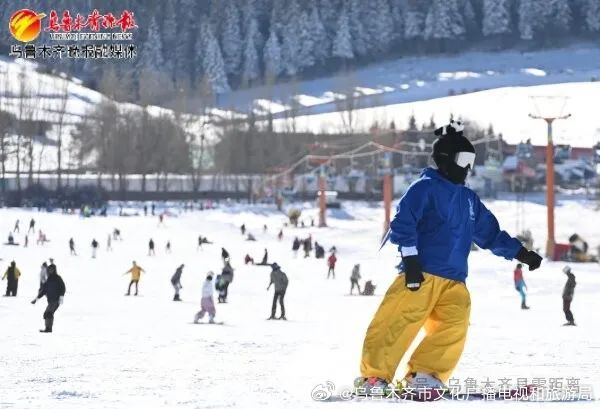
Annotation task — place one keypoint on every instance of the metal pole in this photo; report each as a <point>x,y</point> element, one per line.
<point>322,203</point>
<point>550,191</point>
<point>387,190</point>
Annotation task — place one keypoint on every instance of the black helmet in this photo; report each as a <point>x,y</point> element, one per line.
<point>453,153</point>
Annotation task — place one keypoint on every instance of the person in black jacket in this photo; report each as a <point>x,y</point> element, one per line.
<point>224,255</point>
<point>54,290</point>
<point>567,295</point>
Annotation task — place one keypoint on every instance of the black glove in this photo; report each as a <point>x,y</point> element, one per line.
<point>412,272</point>
<point>531,258</point>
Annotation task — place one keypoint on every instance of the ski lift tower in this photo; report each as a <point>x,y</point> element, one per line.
<point>549,108</point>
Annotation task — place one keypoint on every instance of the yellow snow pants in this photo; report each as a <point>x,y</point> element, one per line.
<point>441,306</point>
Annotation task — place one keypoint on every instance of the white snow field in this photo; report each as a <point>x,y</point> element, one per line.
<point>112,351</point>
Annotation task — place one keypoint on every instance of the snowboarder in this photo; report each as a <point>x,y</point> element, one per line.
<point>94,248</point>
<point>220,287</point>
<point>11,239</point>
<point>296,246</point>
<point>567,295</point>
<point>369,288</point>
<point>280,281</point>
<point>17,228</point>
<point>168,247</point>
<point>176,282</point>
<point>151,248</point>
<point>72,247</point>
<point>12,275</point>
<point>109,243</point>
<point>243,229</point>
<point>437,219</point>
<point>280,235</point>
<point>199,243</point>
<point>307,246</point>
<point>264,228</point>
<point>265,258</point>
<point>227,275</point>
<point>331,260</point>
<point>116,234</point>
<point>136,272</point>
<point>520,285</point>
<point>250,237</point>
<point>354,278</point>
<point>54,290</point>
<point>224,255</point>
<point>207,304</point>
<point>31,226</point>
<point>319,250</point>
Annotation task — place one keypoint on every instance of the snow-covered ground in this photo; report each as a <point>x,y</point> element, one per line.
<point>111,351</point>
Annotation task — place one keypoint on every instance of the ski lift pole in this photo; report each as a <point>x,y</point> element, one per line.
<point>322,203</point>
<point>387,190</point>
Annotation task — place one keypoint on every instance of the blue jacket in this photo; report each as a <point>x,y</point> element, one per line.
<point>438,220</point>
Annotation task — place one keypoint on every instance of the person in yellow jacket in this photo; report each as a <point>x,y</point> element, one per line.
<point>12,275</point>
<point>136,272</point>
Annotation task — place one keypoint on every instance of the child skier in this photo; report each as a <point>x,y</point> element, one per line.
<point>520,285</point>
<point>436,222</point>
<point>207,305</point>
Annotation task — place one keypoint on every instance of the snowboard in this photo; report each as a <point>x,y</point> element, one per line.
<point>208,323</point>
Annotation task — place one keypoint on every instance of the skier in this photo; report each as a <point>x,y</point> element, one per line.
<point>94,248</point>
<point>72,247</point>
<point>436,222</point>
<point>265,258</point>
<point>12,275</point>
<point>207,304</point>
<point>54,290</point>
<point>243,229</point>
<point>227,275</point>
<point>168,247</point>
<point>331,260</point>
<point>354,277</point>
<point>17,229</point>
<point>280,281</point>
<point>567,295</point>
<point>109,243</point>
<point>151,248</point>
<point>136,272</point>
<point>296,246</point>
<point>520,285</point>
<point>176,281</point>
<point>31,225</point>
<point>224,255</point>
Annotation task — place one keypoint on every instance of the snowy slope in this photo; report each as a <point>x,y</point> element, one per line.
<point>111,351</point>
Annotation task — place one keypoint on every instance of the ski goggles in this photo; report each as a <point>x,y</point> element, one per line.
<point>464,159</point>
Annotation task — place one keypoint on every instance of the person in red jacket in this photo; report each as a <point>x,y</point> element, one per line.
<point>331,263</point>
<point>520,285</point>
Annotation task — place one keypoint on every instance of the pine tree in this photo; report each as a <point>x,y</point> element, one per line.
<point>380,26</point>
<point>559,16</point>
<point>322,50</point>
<point>359,36</point>
<point>532,17</point>
<point>213,64</point>
<point>306,58</point>
<point>251,69</point>
<point>397,7</point>
<point>251,12</point>
<point>470,18</point>
<point>231,39</point>
<point>342,44</point>
<point>169,36</point>
<point>291,46</point>
<point>414,20</point>
<point>592,15</point>
<point>151,59</point>
<point>444,20</point>
<point>272,57</point>
<point>496,17</point>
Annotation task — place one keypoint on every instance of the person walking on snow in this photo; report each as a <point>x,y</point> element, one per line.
<point>354,278</point>
<point>151,248</point>
<point>176,282</point>
<point>437,220</point>
<point>136,272</point>
<point>280,281</point>
<point>567,295</point>
<point>54,290</point>
<point>94,248</point>
<point>31,226</point>
<point>331,260</point>
<point>72,247</point>
<point>296,246</point>
<point>12,275</point>
<point>17,229</point>
<point>207,304</point>
<point>520,285</point>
